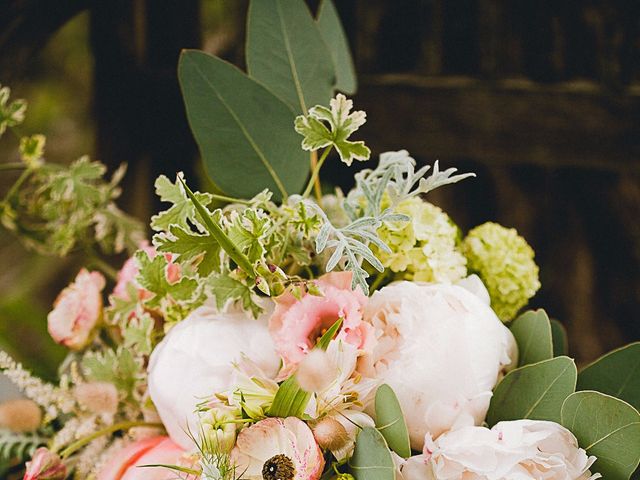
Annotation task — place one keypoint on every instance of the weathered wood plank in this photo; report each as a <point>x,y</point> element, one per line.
<point>507,122</point>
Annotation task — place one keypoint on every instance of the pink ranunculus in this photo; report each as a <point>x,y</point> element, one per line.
<point>128,463</point>
<point>45,465</point>
<point>296,324</point>
<point>77,311</point>
<point>283,447</point>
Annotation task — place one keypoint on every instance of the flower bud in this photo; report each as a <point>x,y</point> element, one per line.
<point>315,371</point>
<point>45,465</point>
<point>330,434</point>
<point>98,397</point>
<point>20,415</point>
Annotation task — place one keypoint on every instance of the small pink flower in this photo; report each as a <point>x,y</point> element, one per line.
<point>77,310</point>
<point>282,448</point>
<point>296,325</point>
<point>128,463</point>
<point>45,465</point>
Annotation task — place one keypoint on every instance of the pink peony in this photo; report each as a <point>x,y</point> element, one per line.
<point>296,324</point>
<point>278,448</point>
<point>77,310</point>
<point>45,465</point>
<point>129,271</point>
<point>127,463</point>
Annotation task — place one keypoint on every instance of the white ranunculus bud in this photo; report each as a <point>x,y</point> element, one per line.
<point>195,360</point>
<point>521,449</point>
<point>442,349</point>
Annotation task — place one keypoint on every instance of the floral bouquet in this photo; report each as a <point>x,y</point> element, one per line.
<point>273,331</point>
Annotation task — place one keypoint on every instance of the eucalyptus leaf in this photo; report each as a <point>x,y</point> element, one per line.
<point>371,459</point>
<point>390,421</point>
<point>617,373</point>
<point>286,53</point>
<point>334,36</point>
<point>534,391</point>
<point>235,121</point>
<point>606,427</point>
<point>559,337</point>
<point>532,331</point>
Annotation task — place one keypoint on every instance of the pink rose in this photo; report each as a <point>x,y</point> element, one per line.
<point>297,324</point>
<point>127,464</point>
<point>129,271</point>
<point>77,311</point>
<point>45,465</point>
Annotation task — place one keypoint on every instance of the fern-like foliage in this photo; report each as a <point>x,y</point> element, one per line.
<point>18,447</point>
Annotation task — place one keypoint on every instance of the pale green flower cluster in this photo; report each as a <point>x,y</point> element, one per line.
<point>504,262</point>
<point>424,249</point>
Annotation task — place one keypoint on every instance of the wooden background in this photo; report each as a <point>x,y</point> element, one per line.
<point>540,98</point>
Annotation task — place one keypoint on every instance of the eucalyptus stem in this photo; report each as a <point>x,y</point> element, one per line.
<point>12,166</point>
<point>75,446</point>
<point>224,198</point>
<point>316,171</point>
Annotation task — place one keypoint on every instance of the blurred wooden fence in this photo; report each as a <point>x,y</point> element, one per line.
<point>540,98</point>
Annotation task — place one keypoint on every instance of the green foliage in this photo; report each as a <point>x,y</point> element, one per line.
<point>390,421</point>
<point>334,36</point>
<point>371,458</point>
<point>138,334</point>
<point>32,149</point>
<point>532,331</point>
<point>607,428</point>
<point>617,374</point>
<point>248,231</point>
<point>559,337</point>
<point>341,125</point>
<point>182,210</point>
<point>119,367</point>
<point>235,121</point>
<point>228,289</point>
<point>535,391</point>
<point>286,53</point>
<point>202,250</point>
<point>17,448</point>
<point>11,113</point>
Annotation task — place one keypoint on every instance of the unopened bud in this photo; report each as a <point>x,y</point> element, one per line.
<point>45,465</point>
<point>330,434</point>
<point>20,415</point>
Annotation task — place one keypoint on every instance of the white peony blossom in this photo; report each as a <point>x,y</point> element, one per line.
<point>195,360</point>
<point>516,450</point>
<point>442,349</point>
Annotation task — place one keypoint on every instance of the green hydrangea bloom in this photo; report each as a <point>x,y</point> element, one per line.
<point>504,262</point>
<point>425,248</point>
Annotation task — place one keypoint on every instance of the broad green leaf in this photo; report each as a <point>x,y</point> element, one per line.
<point>226,288</point>
<point>390,421</point>
<point>617,374</point>
<point>243,130</point>
<point>182,210</point>
<point>559,337</point>
<point>286,53</point>
<point>371,459</point>
<point>535,391</point>
<point>203,250</point>
<point>532,331</point>
<point>333,34</point>
<point>341,124</point>
<point>607,428</point>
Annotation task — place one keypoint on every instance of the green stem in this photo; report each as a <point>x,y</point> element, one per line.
<point>100,264</point>
<point>224,198</point>
<point>12,166</point>
<point>16,186</point>
<point>379,279</point>
<point>316,171</point>
<point>75,446</point>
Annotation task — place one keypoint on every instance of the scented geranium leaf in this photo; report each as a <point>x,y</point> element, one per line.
<point>334,36</point>
<point>341,124</point>
<point>153,277</point>
<point>203,250</point>
<point>559,337</point>
<point>248,231</point>
<point>138,333</point>
<point>390,421</point>
<point>32,149</point>
<point>121,307</point>
<point>532,331</point>
<point>617,373</point>
<point>371,459</point>
<point>286,53</point>
<point>607,428</point>
<point>227,289</point>
<point>116,231</point>
<point>535,391</point>
<point>182,211</point>
<point>78,182</point>
<point>117,367</point>
<point>11,113</point>
<point>243,130</point>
